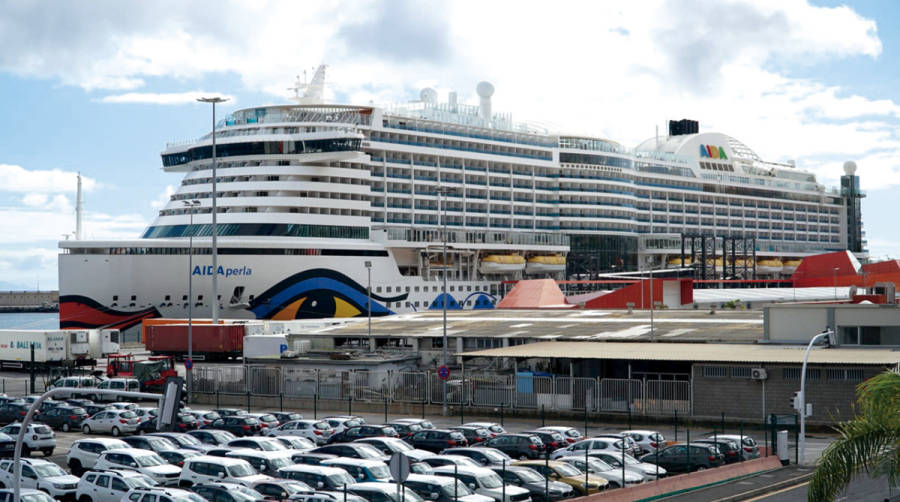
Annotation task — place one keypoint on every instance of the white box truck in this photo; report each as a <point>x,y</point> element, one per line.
<point>50,347</point>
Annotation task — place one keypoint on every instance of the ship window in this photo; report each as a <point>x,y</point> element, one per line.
<point>199,298</point>
<point>183,297</point>
<point>168,297</point>
<point>417,289</point>
<point>378,289</point>
<point>387,289</point>
<point>115,298</point>
<point>133,297</point>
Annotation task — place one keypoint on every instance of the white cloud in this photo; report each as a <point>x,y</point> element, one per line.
<point>18,179</point>
<point>154,98</point>
<point>163,197</point>
<point>35,199</point>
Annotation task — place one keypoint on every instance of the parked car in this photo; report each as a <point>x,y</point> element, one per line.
<point>319,477</point>
<point>65,417</point>
<point>287,416</point>
<point>74,382</point>
<point>571,434</point>
<point>115,422</point>
<point>79,402</point>
<point>14,411</point>
<point>38,437</point>
<point>363,431</point>
<point>152,443</point>
<point>93,409</point>
<point>521,446</point>
<point>109,486</point>
<point>49,404</point>
<point>382,492</point>
<point>474,435</point>
<point>212,437</point>
<point>177,457</point>
<point>326,496</point>
<point>588,444</point>
<point>125,384</point>
<point>405,431</point>
<point>239,425</point>
<point>750,449</point>
<point>538,487</point>
<point>486,482</point>
<point>647,440</point>
<point>728,448</point>
<point>631,446</point>
<point>686,458</point>
<point>317,431</point>
<point>596,467</point>
<point>144,461</point>
<point>183,422</point>
<point>267,421</point>
<point>25,495</point>
<point>83,453</point>
<point>257,443</point>
<point>40,474</point>
<point>227,492</point>
<point>362,470</point>
<point>442,489</point>
<point>615,459</point>
<point>389,446</point>
<point>183,440</point>
<point>265,462</point>
<point>450,460</point>
<point>437,440</point>
<point>296,442</point>
<point>565,473</point>
<point>339,423</point>
<point>492,427</point>
<point>146,413</point>
<point>228,412</point>
<point>485,456</point>
<point>552,440</point>
<point>281,489</point>
<point>161,494</point>
<point>421,422</point>
<point>7,445</point>
<point>311,458</point>
<point>209,469</point>
<point>204,417</point>
<point>351,450</point>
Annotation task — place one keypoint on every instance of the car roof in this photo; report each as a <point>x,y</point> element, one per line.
<point>132,451</point>
<point>262,454</point>
<point>465,469</point>
<point>316,469</point>
<point>549,463</point>
<point>640,431</point>
<point>373,486</point>
<point>219,460</point>
<point>430,478</point>
<point>368,462</point>
<point>101,440</point>
<point>555,428</point>
<point>125,473</point>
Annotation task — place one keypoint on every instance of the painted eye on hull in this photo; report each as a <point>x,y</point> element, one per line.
<point>318,304</point>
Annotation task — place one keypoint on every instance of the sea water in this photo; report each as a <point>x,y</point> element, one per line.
<point>32,320</point>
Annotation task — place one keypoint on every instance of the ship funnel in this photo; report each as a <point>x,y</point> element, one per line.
<point>485,90</point>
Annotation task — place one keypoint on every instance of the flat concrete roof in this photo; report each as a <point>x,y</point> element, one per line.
<point>739,326</point>
<point>705,352</point>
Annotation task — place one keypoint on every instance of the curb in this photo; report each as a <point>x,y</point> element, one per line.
<point>767,489</point>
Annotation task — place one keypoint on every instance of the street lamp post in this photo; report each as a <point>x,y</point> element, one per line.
<point>215,249</point>
<point>369,302</point>
<point>834,280</point>
<point>442,193</point>
<point>190,204</point>
<point>802,410</point>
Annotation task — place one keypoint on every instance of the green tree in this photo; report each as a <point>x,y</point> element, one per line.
<point>869,443</point>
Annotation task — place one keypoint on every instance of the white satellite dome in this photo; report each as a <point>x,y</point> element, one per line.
<point>428,95</point>
<point>485,89</point>
<point>849,168</point>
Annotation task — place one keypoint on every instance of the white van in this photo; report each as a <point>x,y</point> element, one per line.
<point>208,469</point>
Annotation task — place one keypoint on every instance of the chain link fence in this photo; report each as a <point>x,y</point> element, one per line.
<point>523,391</point>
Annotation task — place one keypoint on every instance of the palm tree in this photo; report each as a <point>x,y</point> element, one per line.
<point>869,443</point>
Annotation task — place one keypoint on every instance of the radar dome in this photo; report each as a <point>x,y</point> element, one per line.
<point>485,89</point>
<point>849,168</point>
<point>428,95</point>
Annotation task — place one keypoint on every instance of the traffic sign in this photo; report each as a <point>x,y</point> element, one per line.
<point>399,467</point>
<point>188,364</point>
<point>443,372</point>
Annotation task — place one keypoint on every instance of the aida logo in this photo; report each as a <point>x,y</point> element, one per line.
<point>713,152</point>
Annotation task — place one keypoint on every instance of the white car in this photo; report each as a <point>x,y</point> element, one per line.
<point>83,454</point>
<point>386,492</point>
<point>127,384</point>
<point>38,437</point>
<point>211,437</point>
<point>444,487</point>
<point>74,382</point>
<point>599,468</point>
<point>648,441</point>
<point>589,444</point>
<point>614,458</point>
<point>257,443</point>
<point>484,481</point>
<point>492,427</point>
<point>41,475</point>
<point>317,431</point>
<point>631,446</point>
<point>296,442</point>
<point>161,494</point>
<point>109,486</point>
<point>570,433</point>
<point>143,461</point>
<point>145,413</point>
<point>264,462</point>
<point>115,422</point>
<point>207,469</point>
<point>124,405</point>
<point>319,477</point>
<point>341,423</point>
<point>29,495</point>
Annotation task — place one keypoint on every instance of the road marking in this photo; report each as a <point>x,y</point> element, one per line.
<point>763,497</point>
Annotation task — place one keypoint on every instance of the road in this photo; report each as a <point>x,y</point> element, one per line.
<point>862,490</point>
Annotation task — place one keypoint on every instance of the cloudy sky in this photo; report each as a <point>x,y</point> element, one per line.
<point>99,87</point>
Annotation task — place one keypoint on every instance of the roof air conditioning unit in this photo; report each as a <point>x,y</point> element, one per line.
<point>758,374</point>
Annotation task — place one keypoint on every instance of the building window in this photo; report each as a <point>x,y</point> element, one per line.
<point>849,375</point>
<point>794,374</point>
<point>437,343</point>
<point>740,372</point>
<point>715,372</point>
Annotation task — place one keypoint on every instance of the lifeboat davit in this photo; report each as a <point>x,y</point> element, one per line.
<point>501,264</point>
<point>676,261</point>
<point>769,266</point>
<point>545,264</point>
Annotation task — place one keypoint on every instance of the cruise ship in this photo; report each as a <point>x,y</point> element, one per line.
<point>317,203</point>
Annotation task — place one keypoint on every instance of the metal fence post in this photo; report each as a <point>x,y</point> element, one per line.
<point>217,399</point>
<point>542,415</point>
<point>623,465</point>
<point>502,478</point>
<point>423,409</point>
<point>688,445</point>
<point>316,406</point>
<point>281,402</point>
<point>248,401</point>
<point>655,458</point>
<point>385,410</point>
<point>501,414</point>
<point>350,405</point>
<point>741,446</point>
<point>676,425</point>
<point>723,422</point>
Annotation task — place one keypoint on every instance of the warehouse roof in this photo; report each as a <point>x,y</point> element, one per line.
<point>682,325</point>
<point>708,352</point>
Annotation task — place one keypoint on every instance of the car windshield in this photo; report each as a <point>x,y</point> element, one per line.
<point>530,476</point>
<point>128,414</point>
<point>222,436</point>
<point>572,433</point>
<point>251,421</point>
<point>279,462</point>
<point>293,416</point>
<point>294,487</point>
<point>380,472</point>
<point>139,482</point>
<point>150,460</point>
<point>322,425</point>
<point>185,439</point>
<point>241,496</point>
<point>271,445</point>
<point>340,479</point>
<point>368,451</point>
<point>496,428</point>
<point>495,456</point>
<point>631,460</point>
<point>188,497</point>
<point>490,481</point>
<point>351,423</point>
<point>42,429</point>
<point>159,444</point>
<point>598,465</point>
<point>240,470</point>
<point>567,470</point>
<point>396,446</point>
<point>47,470</point>
<point>268,418</point>
<point>78,411</point>
<point>36,497</point>
<point>211,415</point>
<point>461,489</point>
<point>301,443</point>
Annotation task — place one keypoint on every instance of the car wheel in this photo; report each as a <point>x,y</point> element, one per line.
<point>523,457</point>
<point>75,467</point>
<point>26,451</point>
<point>116,432</point>
<point>701,468</point>
<point>86,429</point>
<point>48,452</point>
<point>85,498</point>
<point>65,427</point>
<point>185,484</point>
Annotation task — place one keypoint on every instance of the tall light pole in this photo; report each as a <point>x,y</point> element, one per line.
<point>442,193</point>
<point>802,410</point>
<point>191,205</point>
<point>369,302</point>
<point>834,280</point>
<point>215,249</point>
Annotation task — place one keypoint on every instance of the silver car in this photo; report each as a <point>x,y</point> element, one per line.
<point>115,422</point>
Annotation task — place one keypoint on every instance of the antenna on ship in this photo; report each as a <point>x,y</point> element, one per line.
<point>312,91</point>
<point>78,210</point>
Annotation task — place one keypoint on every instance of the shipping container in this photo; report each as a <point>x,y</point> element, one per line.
<point>264,346</point>
<point>50,347</point>
<point>209,342</point>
